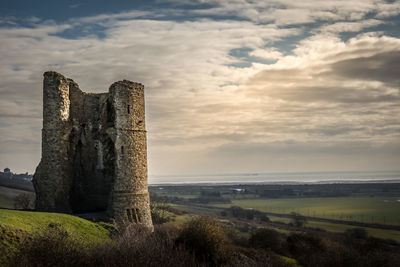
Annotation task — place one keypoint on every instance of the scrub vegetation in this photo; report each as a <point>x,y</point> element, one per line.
<point>200,241</point>
<point>206,229</point>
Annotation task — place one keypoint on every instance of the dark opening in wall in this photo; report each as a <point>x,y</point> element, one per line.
<point>122,149</point>
<point>110,114</point>
<point>133,215</point>
<point>129,109</point>
<point>129,215</point>
<point>138,219</point>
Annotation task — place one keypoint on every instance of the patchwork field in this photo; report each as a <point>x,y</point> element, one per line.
<point>340,228</point>
<point>383,210</point>
<point>327,226</point>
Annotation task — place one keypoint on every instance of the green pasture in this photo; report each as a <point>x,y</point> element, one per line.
<point>383,210</point>
<point>178,195</point>
<point>240,196</point>
<point>331,227</point>
<point>30,221</point>
<point>197,209</point>
<point>15,226</point>
<point>340,228</point>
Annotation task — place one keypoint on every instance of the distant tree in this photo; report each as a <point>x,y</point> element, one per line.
<point>298,219</point>
<point>249,214</point>
<point>22,201</point>
<point>266,238</point>
<point>359,233</point>
<point>158,209</point>
<point>263,217</point>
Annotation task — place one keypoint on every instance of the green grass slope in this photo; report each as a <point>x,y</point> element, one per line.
<point>16,225</point>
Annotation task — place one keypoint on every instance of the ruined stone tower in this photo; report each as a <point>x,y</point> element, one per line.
<point>94,155</point>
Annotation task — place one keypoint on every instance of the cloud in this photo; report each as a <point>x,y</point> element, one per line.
<point>286,12</point>
<point>204,113</point>
<point>383,67</point>
<point>271,53</point>
<point>351,26</point>
<point>75,5</point>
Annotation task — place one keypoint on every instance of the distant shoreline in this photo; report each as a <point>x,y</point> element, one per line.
<point>207,183</point>
<point>284,178</point>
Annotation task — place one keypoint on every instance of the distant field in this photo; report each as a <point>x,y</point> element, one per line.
<point>340,228</point>
<point>195,209</point>
<point>331,227</point>
<point>383,210</point>
<point>7,196</point>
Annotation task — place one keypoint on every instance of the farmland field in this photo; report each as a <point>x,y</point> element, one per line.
<point>383,210</point>
<point>340,228</point>
<point>328,226</point>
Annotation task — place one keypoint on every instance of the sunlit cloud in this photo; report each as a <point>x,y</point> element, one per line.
<point>224,93</point>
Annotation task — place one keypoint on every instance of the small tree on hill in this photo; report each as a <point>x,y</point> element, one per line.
<point>22,201</point>
<point>298,219</point>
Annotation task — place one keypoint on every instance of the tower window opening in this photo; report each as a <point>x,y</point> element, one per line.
<point>133,215</point>
<point>129,215</point>
<point>129,109</point>
<point>138,219</point>
<point>122,149</point>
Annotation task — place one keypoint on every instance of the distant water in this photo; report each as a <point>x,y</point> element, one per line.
<point>279,178</point>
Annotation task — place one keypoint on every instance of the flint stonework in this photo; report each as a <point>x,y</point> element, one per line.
<point>94,151</point>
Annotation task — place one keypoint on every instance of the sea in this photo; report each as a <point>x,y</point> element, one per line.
<point>279,178</point>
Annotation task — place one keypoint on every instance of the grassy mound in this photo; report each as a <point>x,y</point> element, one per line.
<point>15,226</point>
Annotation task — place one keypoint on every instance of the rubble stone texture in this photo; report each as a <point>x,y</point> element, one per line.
<point>94,155</point>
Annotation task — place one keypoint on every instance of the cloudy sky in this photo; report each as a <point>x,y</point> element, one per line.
<point>231,86</point>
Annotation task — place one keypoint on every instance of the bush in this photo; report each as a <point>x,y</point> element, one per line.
<point>22,201</point>
<point>158,210</point>
<point>133,245</point>
<point>298,219</point>
<point>358,233</point>
<point>136,246</point>
<point>316,250</point>
<point>266,239</point>
<point>207,238</point>
<point>250,257</point>
<point>248,214</point>
<point>51,247</point>
<point>201,242</point>
<point>303,244</point>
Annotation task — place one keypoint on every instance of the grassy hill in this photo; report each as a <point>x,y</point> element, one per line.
<point>15,226</point>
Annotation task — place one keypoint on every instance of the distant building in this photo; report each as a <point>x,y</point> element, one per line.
<point>7,173</point>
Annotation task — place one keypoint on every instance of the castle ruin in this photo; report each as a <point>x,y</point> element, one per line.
<point>94,151</point>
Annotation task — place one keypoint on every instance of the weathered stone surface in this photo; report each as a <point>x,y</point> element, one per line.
<point>94,152</point>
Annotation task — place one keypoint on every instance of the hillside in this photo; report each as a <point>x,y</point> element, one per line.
<point>8,195</point>
<point>17,225</point>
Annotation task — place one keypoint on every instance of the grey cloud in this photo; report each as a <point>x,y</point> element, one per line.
<point>307,148</point>
<point>383,67</point>
<point>283,12</point>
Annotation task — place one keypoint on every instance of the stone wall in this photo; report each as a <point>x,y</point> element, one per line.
<point>130,195</point>
<point>94,150</point>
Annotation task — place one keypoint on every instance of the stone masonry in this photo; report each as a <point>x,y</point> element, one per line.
<point>94,155</point>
